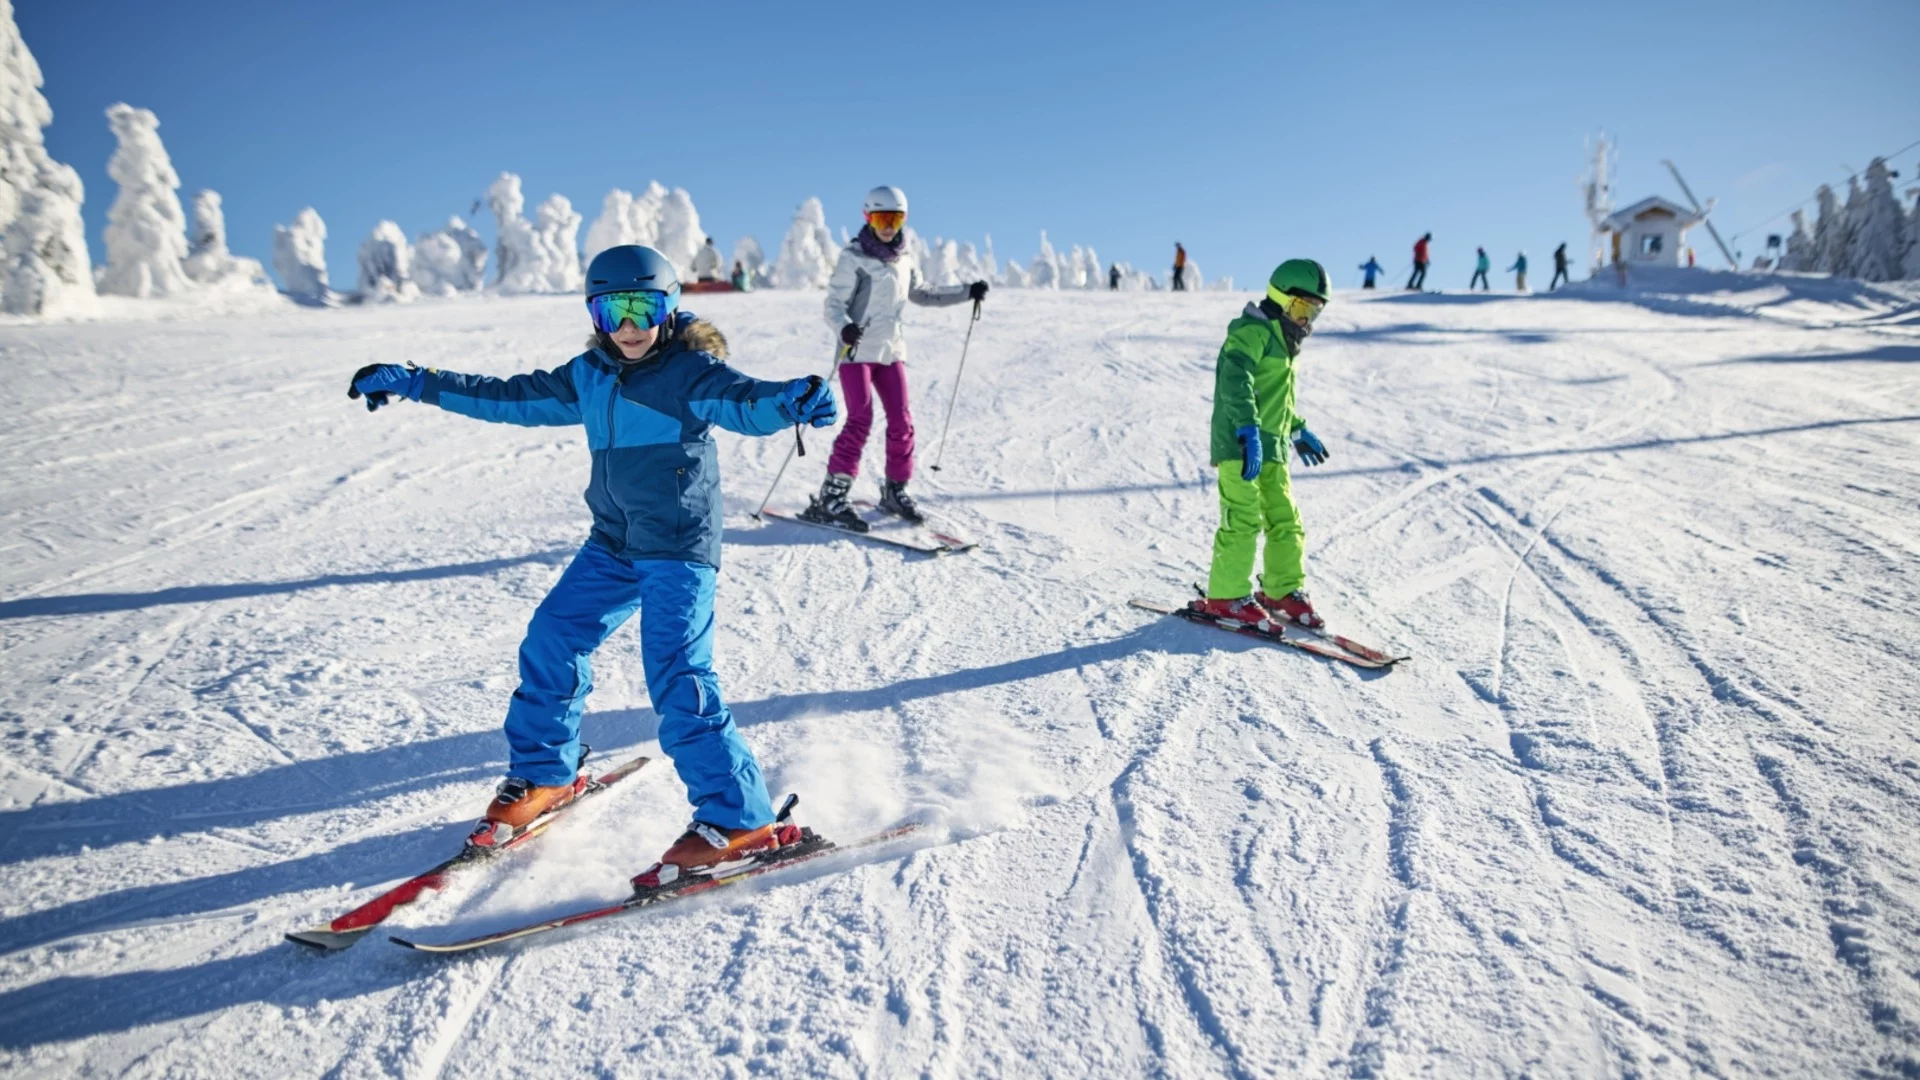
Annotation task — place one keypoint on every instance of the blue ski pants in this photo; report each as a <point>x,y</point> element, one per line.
<point>597,594</point>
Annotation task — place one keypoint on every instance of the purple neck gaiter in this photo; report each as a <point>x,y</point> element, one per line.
<point>878,248</point>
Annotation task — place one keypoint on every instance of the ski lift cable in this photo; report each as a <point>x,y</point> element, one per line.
<point>1810,198</point>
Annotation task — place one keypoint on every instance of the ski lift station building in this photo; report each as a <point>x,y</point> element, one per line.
<point>1651,232</point>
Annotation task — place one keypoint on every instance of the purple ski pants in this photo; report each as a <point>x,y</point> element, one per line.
<point>858,385</point>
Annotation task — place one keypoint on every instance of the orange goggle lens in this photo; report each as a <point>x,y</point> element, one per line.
<point>1302,309</point>
<point>886,219</point>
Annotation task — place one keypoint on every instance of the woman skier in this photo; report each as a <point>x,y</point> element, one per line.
<point>872,282</point>
<point>649,388</point>
<point>1519,272</point>
<point>1253,412</point>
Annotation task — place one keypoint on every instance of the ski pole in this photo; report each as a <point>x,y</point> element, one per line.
<point>954,398</point>
<point>844,352</point>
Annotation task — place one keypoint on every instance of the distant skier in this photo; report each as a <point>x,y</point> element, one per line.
<point>871,284</point>
<point>1253,420</point>
<point>739,278</point>
<point>1519,271</point>
<point>1179,267</point>
<point>706,262</point>
<point>1559,268</point>
<point>649,390</point>
<point>1113,278</point>
<point>1480,268</point>
<point>1371,268</point>
<point>1419,278</point>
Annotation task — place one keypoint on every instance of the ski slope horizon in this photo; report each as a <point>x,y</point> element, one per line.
<point>1641,803</point>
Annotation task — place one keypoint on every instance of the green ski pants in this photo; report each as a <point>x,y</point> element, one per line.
<point>1247,509</point>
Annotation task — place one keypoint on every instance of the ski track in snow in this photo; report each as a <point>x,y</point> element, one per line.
<point>1641,804</point>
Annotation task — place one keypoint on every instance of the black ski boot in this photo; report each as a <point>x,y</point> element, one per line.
<point>895,500</point>
<point>830,507</point>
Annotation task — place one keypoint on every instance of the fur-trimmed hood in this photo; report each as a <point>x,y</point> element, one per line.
<point>689,330</point>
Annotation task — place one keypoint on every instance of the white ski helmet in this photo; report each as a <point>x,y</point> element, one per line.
<point>885,197</point>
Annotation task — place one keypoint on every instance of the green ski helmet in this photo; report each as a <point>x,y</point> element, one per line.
<point>1299,288</point>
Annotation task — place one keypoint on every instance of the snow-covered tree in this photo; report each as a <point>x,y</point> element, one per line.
<point>450,260</point>
<point>1800,248</point>
<point>300,258</point>
<point>747,253</point>
<point>43,243</point>
<point>1829,233</point>
<point>1851,216</point>
<point>146,228</point>
<point>557,232</point>
<point>938,267</point>
<point>1877,234</point>
<point>807,254</point>
<point>1073,268</point>
<point>989,264</point>
<point>625,219</point>
<point>1912,262</point>
<point>1016,277</point>
<point>386,266</point>
<point>1093,274</point>
<point>966,264</point>
<point>681,237</point>
<point>208,261</point>
<point>1044,271</point>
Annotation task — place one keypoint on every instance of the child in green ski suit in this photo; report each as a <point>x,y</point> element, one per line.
<point>1253,411</point>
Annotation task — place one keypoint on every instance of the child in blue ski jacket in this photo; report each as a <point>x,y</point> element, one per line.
<point>649,389</point>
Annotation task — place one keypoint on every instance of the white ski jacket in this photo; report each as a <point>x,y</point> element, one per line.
<point>874,294</point>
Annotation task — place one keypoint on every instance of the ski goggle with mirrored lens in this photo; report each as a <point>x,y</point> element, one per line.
<point>1301,310</point>
<point>646,308</point>
<point>886,219</point>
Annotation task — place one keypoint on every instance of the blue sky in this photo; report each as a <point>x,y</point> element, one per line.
<point>1252,132</point>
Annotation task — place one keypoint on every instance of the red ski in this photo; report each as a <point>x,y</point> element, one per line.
<point>349,928</point>
<point>810,848</point>
<point>1319,643</point>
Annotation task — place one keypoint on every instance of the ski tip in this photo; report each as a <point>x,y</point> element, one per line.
<point>323,939</point>
<point>786,807</point>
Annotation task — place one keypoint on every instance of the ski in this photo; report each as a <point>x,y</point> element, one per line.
<point>891,531</point>
<point>810,848</point>
<point>1378,656</point>
<point>1279,636</point>
<point>351,927</point>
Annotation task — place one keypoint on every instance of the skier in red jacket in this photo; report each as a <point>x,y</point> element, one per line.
<point>1419,278</point>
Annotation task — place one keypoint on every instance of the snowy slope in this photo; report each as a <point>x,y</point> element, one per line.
<point>1643,804</point>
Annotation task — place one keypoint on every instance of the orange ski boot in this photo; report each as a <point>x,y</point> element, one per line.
<point>1293,607</point>
<point>706,850</point>
<point>1244,610</point>
<point>519,803</point>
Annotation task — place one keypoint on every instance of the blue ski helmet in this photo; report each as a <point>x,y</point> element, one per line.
<point>632,268</point>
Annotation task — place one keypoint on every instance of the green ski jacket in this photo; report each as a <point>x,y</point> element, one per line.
<point>1253,384</point>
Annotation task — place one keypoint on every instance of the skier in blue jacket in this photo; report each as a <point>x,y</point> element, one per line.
<point>1372,269</point>
<point>649,389</point>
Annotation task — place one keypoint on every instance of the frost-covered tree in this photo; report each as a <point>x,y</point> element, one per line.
<point>386,266</point>
<point>1851,216</point>
<point>557,232</point>
<point>43,244</point>
<point>681,236</point>
<point>1073,268</point>
<point>966,264</point>
<point>1877,234</point>
<point>1829,233</point>
<point>450,260</point>
<point>1912,262</point>
<point>208,260</point>
<point>625,219</point>
<point>1799,255</point>
<point>747,253</point>
<point>146,228</point>
<point>938,268</point>
<point>1093,275</point>
<point>989,264</point>
<point>1193,279</point>
<point>1044,271</point>
<point>1016,277</point>
<point>807,253</point>
<point>300,258</point>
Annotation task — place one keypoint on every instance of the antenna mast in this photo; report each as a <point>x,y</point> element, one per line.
<point>1598,190</point>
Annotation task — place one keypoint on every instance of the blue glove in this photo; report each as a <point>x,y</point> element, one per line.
<point>1311,449</point>
<point>379,382</point>
<point>808,401</point>
<point>1250,452</point>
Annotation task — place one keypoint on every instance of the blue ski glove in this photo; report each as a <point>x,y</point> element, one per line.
<point>808,401</point>
<point>379,382</point>
<point>1250,452</point>
<point>1311,449</point>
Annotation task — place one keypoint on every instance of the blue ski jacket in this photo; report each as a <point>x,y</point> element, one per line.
<point>655,486</point>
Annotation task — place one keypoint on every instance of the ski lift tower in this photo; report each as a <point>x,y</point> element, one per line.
<point>1598,188</point>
